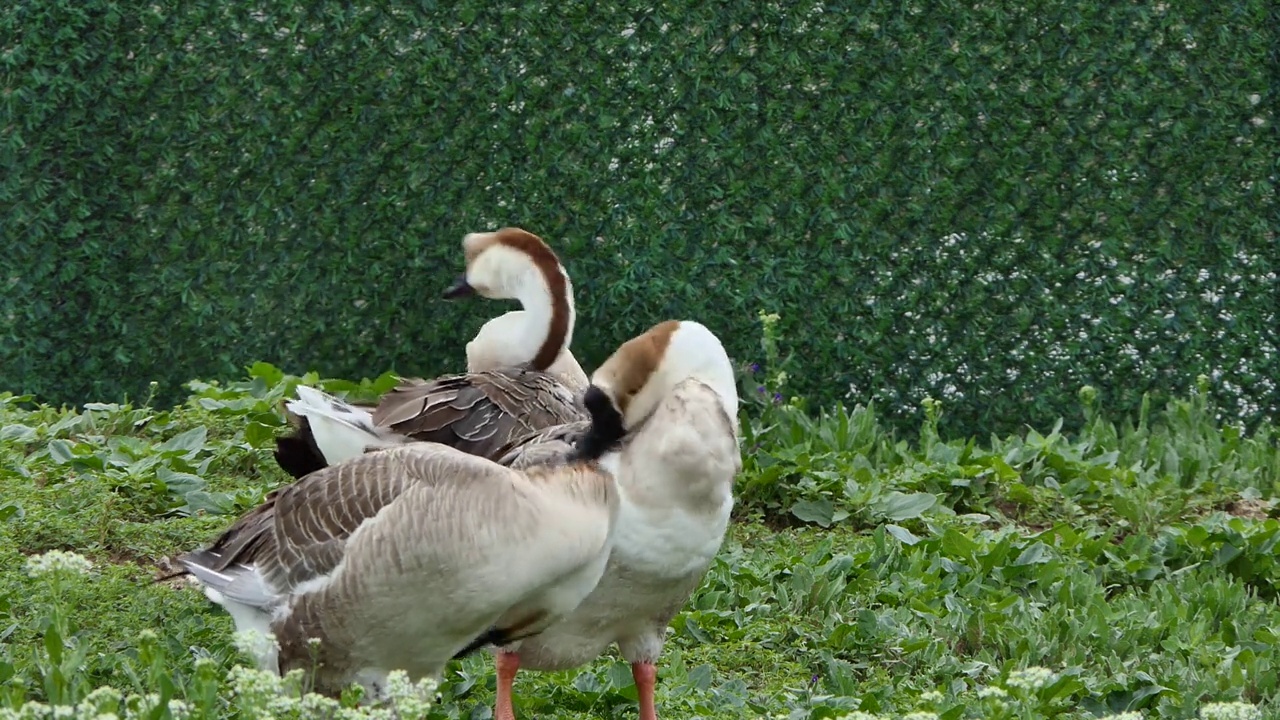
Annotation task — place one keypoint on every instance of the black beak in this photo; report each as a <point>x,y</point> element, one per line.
<point>460,288</point>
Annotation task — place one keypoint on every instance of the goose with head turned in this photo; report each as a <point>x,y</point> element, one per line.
<point>409,556</point>
<point>521,375</point>
<point>671,395</point>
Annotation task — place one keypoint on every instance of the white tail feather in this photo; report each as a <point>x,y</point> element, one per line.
<point>341,430</point>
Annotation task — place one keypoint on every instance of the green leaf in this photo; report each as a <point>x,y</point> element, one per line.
<point>179,483</point>
<point>819,511</point>
<point>901,506</point>
<point>904,536</point>
<point>10,511</point>
<point>17,433</point>
<point>259,435</point>
<point>188,442</point>
<point>60,451</point>
<point>1035,553</point>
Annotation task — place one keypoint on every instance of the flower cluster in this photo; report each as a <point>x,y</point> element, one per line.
<point>1230,711</point>
<point>1031,679</point>
<point>57,562</point>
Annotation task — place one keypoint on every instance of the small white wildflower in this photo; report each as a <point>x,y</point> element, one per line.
<point>100,700</point>
<point>33,710</point>
<point>255,644</point>
<point>1230,711</point>
<point>107,716</point>
<point>992,691</point>
<point>931,697</point>
<point>255,686</point>
<point>408,698</point>
<point>1130,715</point>
<point>1031,679</point>
<point>920,715</point>
<point>64,712</point>
<point>57,562</point>
<point>855,715</point>
<point>313,705</point>
<point>180,710</point>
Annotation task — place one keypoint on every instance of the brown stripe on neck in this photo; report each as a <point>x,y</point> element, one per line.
<point>549,265</point>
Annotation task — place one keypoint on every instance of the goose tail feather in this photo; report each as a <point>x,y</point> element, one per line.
<point>338,430</point>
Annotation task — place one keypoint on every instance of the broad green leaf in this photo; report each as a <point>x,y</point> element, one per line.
<point>188,442</point>
<point>1035,553</point>
<point>18,433</point>
<point>901,506</point>
<point>904,536</point>
<point>259,435</point>
<point>60,451</point>
<point>818,511</point>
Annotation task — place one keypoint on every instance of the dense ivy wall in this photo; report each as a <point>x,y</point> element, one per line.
<point>991,203</point>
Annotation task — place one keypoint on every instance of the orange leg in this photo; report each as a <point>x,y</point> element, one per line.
<point>508,663</point>
<point>645,675</point>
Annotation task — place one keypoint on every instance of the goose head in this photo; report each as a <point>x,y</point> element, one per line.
<point>627,389</point>
<point>506,265</point>
<point>513,264</point>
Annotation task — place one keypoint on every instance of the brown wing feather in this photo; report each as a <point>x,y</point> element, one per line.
<point>479,412</point>
<point>299,530</point>
<point>549,446</point>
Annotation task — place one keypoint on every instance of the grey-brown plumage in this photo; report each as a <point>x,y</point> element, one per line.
<point>403,557</point>
<point>478,412</point>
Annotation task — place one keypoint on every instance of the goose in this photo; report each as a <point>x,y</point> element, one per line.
<point>521,375</point>
<point>410,555</point>
<point>407,557</point>
<point>671,393</point>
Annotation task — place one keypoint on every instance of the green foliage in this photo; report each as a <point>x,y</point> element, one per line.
<point>986,204</point>
<point>1121,567</point>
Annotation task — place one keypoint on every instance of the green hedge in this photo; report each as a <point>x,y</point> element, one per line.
<point>989,203</point>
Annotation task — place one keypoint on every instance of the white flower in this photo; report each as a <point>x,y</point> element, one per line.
<point>992,691</point>
<point>1131,715</point>
<point>105,699</point>
<point>57,562</point>
<point>179,710</point>
<point>858,715</point>
<point>1230,711</point>
<point>33,710</point>
<point>253,684</point>
<point>920,716</point>
<point>63,712</point>
<point>933,696</point>
<point>255,644</point>
<point>410,700</point>
<point>1031,679</point>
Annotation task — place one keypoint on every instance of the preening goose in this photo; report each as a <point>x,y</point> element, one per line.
<point>521,374</point>
<point>407,557</point>
<point>672,392</point>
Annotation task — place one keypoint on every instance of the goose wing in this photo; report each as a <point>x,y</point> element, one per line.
<point>550,446</point>
<point>419,492</point>
<point>477,412</point>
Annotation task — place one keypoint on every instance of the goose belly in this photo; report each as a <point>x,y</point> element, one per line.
<point>658,559</point>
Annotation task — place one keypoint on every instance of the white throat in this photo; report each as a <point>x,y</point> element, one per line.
<point>514,338</point>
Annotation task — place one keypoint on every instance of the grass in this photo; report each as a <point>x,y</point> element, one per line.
<point>1120,567</point>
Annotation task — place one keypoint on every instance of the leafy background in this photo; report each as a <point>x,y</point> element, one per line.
<point>989,203</point>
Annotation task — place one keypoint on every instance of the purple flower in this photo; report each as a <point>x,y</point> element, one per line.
<point>755,367</point>
<point>777,398</point>
<point>762,389</point>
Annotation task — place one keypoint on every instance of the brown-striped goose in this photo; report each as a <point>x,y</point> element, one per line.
<point>521,374</point>
<point>675,482</point>
<point>406,557</point>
